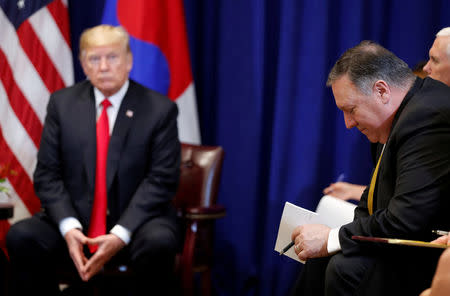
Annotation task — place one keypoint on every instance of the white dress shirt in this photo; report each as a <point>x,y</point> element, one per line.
<point>69,223</point>
<point>333,244</point>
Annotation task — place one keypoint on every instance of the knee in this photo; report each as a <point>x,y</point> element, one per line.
<point>157,243</point>
<point>334,272</point>
<point>27,239</point>
<point>19,235</point>
<point>348,274</point>
<point>155,247</point>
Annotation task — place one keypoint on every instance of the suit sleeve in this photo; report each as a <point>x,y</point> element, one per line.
<point>421,160</point>
<point>48,179</point>
<point>156,191</point>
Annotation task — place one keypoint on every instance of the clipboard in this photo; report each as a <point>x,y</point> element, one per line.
<point>396,241</point>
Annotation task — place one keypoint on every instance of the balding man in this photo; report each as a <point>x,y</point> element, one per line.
<point>408,193</point>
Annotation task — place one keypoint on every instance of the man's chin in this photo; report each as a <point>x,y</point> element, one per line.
<point>374,139</point>
<point>371,138</point>
<point>105,88</point>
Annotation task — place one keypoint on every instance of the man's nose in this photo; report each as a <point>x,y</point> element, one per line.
<point>349,121</point>
<point>104,63</point>
<point>427,67</point>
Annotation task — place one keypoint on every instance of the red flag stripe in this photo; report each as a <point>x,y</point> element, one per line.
<point>16,136</point>
<point>178,37</point>
<point>25,75</point>
<point>39,57</point>
<point>59,13</point>
<point>20,182</point>
<point>57,48</point>
<point>19,103</point>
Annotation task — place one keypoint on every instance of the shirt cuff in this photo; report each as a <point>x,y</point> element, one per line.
<point>123,233</point>
<point>333,244</point>
<point>69,223</point>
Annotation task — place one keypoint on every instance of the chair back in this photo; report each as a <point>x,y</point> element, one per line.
<point>201,167</point>
<point>195,201</point>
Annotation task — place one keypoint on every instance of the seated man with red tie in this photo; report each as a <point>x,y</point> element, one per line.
<point>107,170</point>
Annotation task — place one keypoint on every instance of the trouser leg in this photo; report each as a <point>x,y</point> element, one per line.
<point>311,280</point>
<point>151,255</point>
<point>34,246</point>
<point>344,274</point>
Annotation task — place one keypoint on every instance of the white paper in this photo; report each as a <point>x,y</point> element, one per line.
<point>335,212</point>
<point>330,211</point>
<point>292,217</point>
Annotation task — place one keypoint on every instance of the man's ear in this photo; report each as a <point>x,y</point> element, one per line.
<point>129,62</point>
<point>382,91</point>
<point>82,58</point>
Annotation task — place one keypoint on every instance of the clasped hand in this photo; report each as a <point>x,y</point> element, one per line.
<point>108,246</point>
<point>310,241</point>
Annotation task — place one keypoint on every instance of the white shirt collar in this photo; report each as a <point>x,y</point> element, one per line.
<point>115,99</point>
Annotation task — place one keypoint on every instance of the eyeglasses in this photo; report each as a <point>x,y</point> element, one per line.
<point>95,60</point>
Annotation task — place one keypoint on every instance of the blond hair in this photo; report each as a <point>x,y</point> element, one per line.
<point>104,35</point>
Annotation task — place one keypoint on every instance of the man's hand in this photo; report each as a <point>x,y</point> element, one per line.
<point>75,240</point>
<point>445,240</point>
<point>310,241</point>
<point>108,246</point>
<point>345,191</point>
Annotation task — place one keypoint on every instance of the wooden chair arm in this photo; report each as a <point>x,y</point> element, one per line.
<point>205,213</point>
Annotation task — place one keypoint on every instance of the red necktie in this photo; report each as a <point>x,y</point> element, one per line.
<point>98,217</point>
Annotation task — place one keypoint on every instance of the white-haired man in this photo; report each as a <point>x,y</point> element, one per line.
<point>438,66</point>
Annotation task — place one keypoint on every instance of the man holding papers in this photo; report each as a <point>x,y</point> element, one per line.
<point>409,189</point>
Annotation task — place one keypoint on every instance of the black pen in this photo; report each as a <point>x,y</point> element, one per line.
<point>440,232</point>
<point>285,249</point>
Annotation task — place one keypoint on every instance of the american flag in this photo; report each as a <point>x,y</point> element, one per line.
<point>35,60</point>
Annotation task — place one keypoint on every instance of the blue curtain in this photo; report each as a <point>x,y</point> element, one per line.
<point>260,68</point>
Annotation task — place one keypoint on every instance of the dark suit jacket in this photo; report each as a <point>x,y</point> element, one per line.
<point>143,157</point>
<point>412,195</point>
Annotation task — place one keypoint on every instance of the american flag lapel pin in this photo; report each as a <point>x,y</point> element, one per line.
<point>129,113</point>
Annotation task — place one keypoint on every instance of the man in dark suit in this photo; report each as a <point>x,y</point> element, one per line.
<point>107,170</point>
<point>408,194</point>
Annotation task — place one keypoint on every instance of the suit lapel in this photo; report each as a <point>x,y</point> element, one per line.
<point>88,133</point>
<point>122,125</point>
